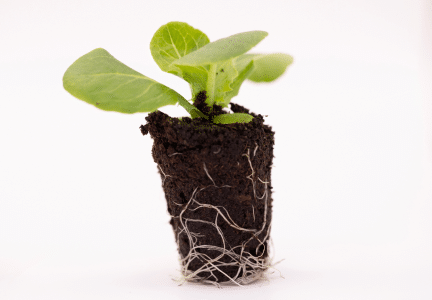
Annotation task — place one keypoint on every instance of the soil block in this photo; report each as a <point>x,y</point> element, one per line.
<point>217,184</point>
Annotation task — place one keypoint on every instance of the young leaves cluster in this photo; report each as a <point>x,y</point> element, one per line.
<point>218,68</point>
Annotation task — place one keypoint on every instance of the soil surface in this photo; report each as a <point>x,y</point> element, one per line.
<point>208,163</point>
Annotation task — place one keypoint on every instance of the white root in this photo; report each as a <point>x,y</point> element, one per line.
<point>205,169</point>
<point>172,154</point>
<point>256,148</point>
<point>252,267</point>
<point>253,172</point>
<point>253,212</point>
<point>165,176</point>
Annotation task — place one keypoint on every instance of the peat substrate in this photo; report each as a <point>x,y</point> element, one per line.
<point>217,184</point>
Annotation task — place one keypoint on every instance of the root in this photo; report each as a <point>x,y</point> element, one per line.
<point>205,169</point>
<point>169,155</point>
<point>252,267</point>
<point>253,212</point>
<point>165,176</point>
<point>256,148</point>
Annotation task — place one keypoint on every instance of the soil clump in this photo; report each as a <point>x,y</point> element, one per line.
<point>217,184</point>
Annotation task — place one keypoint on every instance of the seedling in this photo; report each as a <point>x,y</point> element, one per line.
<point>216,70</point>
<point>218,197</point>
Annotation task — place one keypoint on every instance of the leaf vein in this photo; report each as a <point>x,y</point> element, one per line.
<point>145,91</point>
<point>172,42</point>
<point>120,85</point>
<point>114,73</point>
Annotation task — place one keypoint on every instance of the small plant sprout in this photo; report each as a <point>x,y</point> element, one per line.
<point>216,177</point>
<point>215,70</point>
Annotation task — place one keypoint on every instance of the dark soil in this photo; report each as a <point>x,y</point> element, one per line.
<point>182,148</point>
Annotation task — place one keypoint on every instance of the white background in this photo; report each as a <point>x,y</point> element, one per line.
<point>82,212</point>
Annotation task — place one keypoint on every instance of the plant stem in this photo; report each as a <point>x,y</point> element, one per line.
<point>211,81</point>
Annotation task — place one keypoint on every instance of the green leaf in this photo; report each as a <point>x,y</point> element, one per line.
<point>232,118</point>
<point>268,67</point>
<point>173,41</point>
<point>235,85</point>
<point>215,61</point>
<point>196,77</point>
<point>225,75</point>
<point>103,81</point>
<point>223,49</point>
